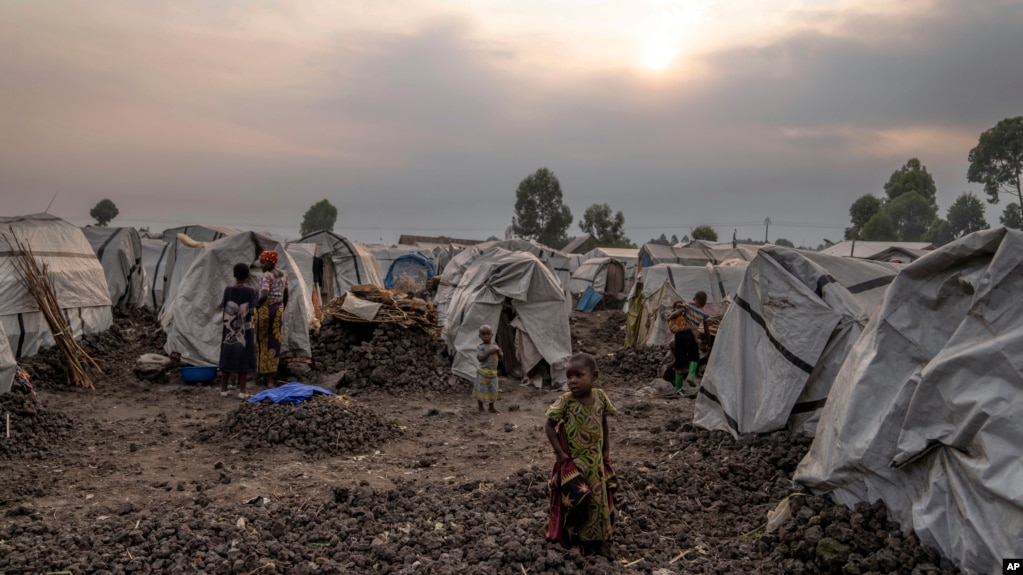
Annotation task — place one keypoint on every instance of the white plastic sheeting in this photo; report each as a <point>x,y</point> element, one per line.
<point>541,322</point>
<point>119,250</point>
<point>594,272</point>
<point>925,413</point>
<point>8,365</point>
<point>717,281</point>
<point>385,255</point>
<point>346,262</point>
<point>780,344</point>
<point>154,260</point>
<point>74,272</point>
<point>180,256</point>
<point>193,318</point>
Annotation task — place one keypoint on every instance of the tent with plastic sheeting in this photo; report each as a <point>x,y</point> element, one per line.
<point>193,318</point>
<point>717,281</point>
<point>925,413</point>
<point>74,271</point>
<point>386,255</point>
<point>603,275</point>
<point>340,263</point>
<point>517,295</point>
<point>8,365</point>
<point>154,261</point>
<point>119,251</point>
<point>561,265</point>
<point>695,254</point>
<point>183,244</point>
<point>779,347</point>
<point>629,257</point>
<point>415,266</point>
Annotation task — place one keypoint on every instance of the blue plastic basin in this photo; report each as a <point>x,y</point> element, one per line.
<point>198,374</point>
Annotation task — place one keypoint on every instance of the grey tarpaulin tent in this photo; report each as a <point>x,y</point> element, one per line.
<point>8,365</point>
<point>75,273</point>
<point>154,260</point>
<point>516,294</point>
<point>604,275</point>
<point>925,413</point>
<point>119,250</point>
<point>192,319</point>
<point>341,263</point>
<point>780,344</point>
<point>179,256</point>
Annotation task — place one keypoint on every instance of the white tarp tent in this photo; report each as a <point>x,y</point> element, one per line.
<point>628,256</point>
<point>345,263</point>
<point>75,274</point>
<point>719,282</point>
<point>694,254</point>
<point>516,294</point>
<point>8,365</point>
<point>192,319</point>
<point>925,413</point>
<point>154,260</point>
<point>385,255</point>
<point>779,346</point>
<point>119,250</point>
<point>604,275</point>
<point>179,255</point>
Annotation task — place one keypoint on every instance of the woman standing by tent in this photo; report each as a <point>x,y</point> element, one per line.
<point>273,298</point>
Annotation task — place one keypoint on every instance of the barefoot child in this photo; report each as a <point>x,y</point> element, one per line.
<point>237,350</point>
<point>487,354</point>
<point>582,484</point>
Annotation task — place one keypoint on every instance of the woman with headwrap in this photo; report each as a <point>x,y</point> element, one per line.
<point>273,297</point>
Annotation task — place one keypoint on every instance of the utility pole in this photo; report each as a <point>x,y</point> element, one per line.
<point>767,226</point>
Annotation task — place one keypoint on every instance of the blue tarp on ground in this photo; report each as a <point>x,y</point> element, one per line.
<point>293,392</point>
<point>589,300</point>
<point>414,264</point>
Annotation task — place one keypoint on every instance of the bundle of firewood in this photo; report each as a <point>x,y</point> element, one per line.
<point>395,307</point>
<point>80,367</point>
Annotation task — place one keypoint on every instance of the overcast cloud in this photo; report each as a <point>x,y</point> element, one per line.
<point>424,120</point>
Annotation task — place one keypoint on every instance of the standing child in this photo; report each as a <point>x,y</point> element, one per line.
<point>237,348</point>
<point>582,484</point>
<point>487,354</point>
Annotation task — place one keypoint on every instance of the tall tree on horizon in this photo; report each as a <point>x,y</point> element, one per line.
<point>608,230</point>
<point>321,216</point>
<point>997,160</point>
<point>103,212</point>
<point>540,210</point>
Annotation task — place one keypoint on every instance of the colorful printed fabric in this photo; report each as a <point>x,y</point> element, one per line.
<point>270,323</point>
<point>237,343</point>
<point>584,436</point>
<point>486,386</point>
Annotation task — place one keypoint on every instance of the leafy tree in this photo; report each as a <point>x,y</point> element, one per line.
<point>607,229</point>
<point>939,234</point>
<point>540,210</point>
<point>674,240</point>
<point>880,228</point>
<point>320,216</point>
<point>860,212</point>
<point>103,212</point>
<point>1011,217</point>
<point>997,160</point>
<point>705,233</point>
<point>661,241</point>
<point>493,239</point>
<point>912,215</point>
<point>912,177</point>
<point>966,215</point>
<point>784,243</point>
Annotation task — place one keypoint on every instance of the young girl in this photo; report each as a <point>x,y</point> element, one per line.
<point>582,484</point>
<point>487,354</point>
<point>237,350</point>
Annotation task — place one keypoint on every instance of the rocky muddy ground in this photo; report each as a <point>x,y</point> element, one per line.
<point>140,477</point>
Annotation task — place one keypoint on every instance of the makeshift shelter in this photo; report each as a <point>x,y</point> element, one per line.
<point>193,318</point>
<point>413,265</point>
<point>692,255</point>
<point>717,281</point>
<point>516,294</point>
<point>867,250</point>
<point>629,257</point>
<point>180,254</point>
<point>562,265</point>
<point>898,255</point>
<point>119,251</point>
<point>781,343</point>
<point>925,413</point>
<point>154,261</point>
<point>8,365</point>
<point>604,275</point>
<point>74,272</point>
<point>580,244</point>
<point>341,263</point>
<point>385,255</point>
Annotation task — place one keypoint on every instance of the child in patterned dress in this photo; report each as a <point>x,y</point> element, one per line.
<point>487,354</point>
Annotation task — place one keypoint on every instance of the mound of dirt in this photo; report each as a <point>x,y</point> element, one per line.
<point>324,426</point>
<point>35,430</point>
<point>631,365</point>
<point>399,360</point>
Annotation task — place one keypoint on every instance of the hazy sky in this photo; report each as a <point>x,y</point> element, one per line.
<point>423,117</point>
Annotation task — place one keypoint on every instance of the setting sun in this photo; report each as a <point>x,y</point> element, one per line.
<point>658,56</point>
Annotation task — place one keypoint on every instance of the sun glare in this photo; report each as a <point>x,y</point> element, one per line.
<point>658,56</point>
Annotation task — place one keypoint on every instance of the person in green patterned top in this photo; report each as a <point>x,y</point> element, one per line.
<point>578,431</point>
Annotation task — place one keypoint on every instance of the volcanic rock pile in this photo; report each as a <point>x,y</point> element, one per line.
<point>35,431</point>
<point>324,426</point>
<point>631,364</point>
<point>399,360</point>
